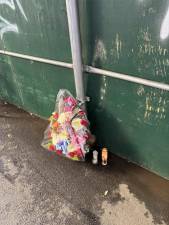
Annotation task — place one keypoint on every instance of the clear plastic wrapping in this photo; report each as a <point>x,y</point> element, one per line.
<point>68,131</point>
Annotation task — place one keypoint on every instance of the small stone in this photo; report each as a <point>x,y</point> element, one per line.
<point>105,193</point>
<point>9,135</point>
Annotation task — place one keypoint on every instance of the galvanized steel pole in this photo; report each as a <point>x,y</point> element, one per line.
<point>74,32</point>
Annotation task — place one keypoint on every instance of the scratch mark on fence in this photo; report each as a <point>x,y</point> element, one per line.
<point>11,4</point>
<point>5,25</point>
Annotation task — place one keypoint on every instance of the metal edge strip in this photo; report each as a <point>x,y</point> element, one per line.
<point>93,70</point>
<point>37,59</point>
<point>129,78</point>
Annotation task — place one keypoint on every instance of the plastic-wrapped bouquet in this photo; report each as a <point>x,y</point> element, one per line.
<point>68,131</point>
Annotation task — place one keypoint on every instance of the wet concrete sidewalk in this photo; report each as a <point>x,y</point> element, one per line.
<point>38,187</point>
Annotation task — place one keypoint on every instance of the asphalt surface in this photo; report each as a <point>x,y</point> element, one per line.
<point>37,187</point>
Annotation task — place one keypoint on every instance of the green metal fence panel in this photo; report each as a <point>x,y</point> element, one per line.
<point>33,86</point>
<point>132,122</point>
<point>36,28</point>
<point>127,37</point>
<point>122,36</point>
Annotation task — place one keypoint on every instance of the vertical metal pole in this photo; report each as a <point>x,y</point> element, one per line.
<point>74,32</point>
